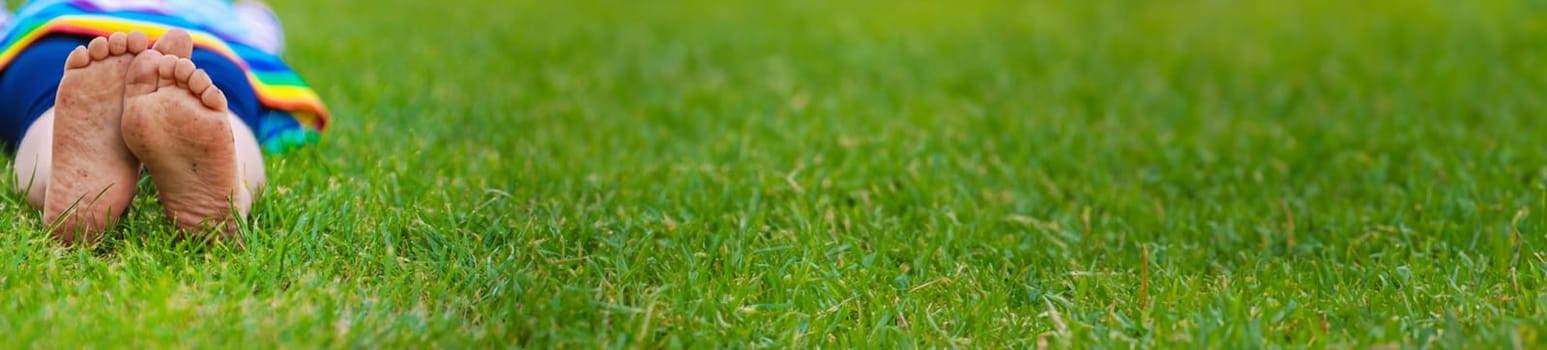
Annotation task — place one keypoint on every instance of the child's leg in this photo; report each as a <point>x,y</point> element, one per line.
<point>34,159</point>
<point>203,177</point>
<point>249,156</point>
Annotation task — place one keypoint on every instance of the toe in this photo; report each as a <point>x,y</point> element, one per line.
<point>199,82</point>
<point>136,42</point>
<point>98,48</point>
<point>183,71</point>
<point>200,85</point>
<point>175,42</point>
<point>214,99</point>
<point>78,58</point>
<point>117,43</point>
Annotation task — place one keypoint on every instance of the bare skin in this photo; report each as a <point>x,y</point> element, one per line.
<point>152,108</point>
<point>34,159</point>
<point>93,174</point>
<point>176,122</point>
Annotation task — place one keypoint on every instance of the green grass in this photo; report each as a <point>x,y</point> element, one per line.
<point>805,173</point>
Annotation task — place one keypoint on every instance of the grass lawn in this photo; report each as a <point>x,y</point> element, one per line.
<point>974,173</point>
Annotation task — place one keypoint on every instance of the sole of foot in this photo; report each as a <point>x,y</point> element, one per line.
<point>93,173</point>
<point>176,122</point>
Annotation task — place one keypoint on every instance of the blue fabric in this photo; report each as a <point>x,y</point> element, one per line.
<point>28,87</point>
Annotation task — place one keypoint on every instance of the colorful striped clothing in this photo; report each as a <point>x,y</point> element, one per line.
<point>298,113</point>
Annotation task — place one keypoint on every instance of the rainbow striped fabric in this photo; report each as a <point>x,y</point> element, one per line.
<point>299,114</point>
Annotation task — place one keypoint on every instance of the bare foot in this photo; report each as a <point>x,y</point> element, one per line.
<point>175,120</point>
<point>93,175</point>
